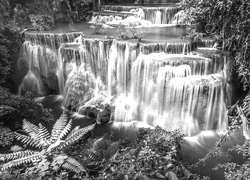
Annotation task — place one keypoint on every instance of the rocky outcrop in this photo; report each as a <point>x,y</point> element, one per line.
<point>99,108</point>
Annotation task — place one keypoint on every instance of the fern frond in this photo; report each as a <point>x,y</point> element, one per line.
<point>73,165</point>
<point>31,129</point>
<point>43,132</point>
<point>58,127</point>
<point>111,151</point>
<point>99,144</point>
<point>103,149</point>
<point>20,161</point>
<point>74,130</point>
<point>65,130</point>
<point>16,155</point>
<point>27,140</point>
<point>72,138</point>
<point>44,136</point>
<point>94,156</point>
<point>58,161</point>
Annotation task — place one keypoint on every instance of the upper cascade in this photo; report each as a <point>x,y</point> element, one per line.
<point>156,15</point>
<point>51,40</point>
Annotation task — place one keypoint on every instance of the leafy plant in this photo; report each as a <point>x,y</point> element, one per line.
<point>48,155</point>
<point>6,136</point>
<point>103,149</point>
<point>228,20</point>
<point>14,108</point>
<point>155,155</point>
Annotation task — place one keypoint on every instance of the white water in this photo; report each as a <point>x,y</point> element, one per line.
<point>156,15</point>
<point>161,84</point>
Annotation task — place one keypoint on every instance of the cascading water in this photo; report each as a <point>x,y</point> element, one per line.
<point>39,53</point>
<point>160,83</point>
<point>156,15</point>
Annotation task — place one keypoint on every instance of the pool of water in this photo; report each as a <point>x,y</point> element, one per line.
<point>152,33</point>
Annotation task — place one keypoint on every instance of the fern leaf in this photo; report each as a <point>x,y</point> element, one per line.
<point>44,136</point>
<point>21,161</point>
<point>65,130</point>
<point>58,127</point>
<point>16,155</point>
<point>111,151</point>
<point>31,129</point>
<point>27,140</point>
<point>74,130</point>
<point>99,144</point>
<point>73,165</point>
<point>94,156</point>
<point>78,134</point>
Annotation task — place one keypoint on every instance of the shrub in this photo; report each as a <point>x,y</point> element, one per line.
<point>14,108</point>
<point>229,21</point>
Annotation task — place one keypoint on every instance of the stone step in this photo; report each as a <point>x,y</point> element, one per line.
<point>52,40</point>
<point>199,65</point>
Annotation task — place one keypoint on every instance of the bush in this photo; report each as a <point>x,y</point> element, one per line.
<point>228,21</point>
<point>42,22</point>
<point>14,108</point>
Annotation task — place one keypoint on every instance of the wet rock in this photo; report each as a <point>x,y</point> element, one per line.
<point>90,110</point>
<point>104,115</point>
<point>99,108</point>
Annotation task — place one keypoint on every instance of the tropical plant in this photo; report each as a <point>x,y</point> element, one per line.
<point>103,149</point>
<point>46,154</point>
<point>155,155</point>
<point>238,120</point>
<point>6,136</point>
<point>14,108</point>
<point>229,21</point>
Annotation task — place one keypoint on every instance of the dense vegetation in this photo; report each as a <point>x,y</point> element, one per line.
<point>19,15</point>
<point>229,23</point>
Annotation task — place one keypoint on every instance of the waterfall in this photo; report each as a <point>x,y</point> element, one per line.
<point>39,52</point>
<point>156,15</point>
<point>163,88</point>
<point>171,84</point>
<point>161,15</point>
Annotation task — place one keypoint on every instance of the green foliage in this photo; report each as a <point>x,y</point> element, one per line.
<point>103,149</point>
<point>41,22</point>
<point>14,108</point>
<point>228,20</point>
<point>234,170</point>
<point>4,52</point>
<point>48,155</point>
<point>6,136</point>
<point>239,120</point>
<point>156,155</point>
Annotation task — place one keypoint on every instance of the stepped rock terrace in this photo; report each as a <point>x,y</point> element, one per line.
<point>161,79</point>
